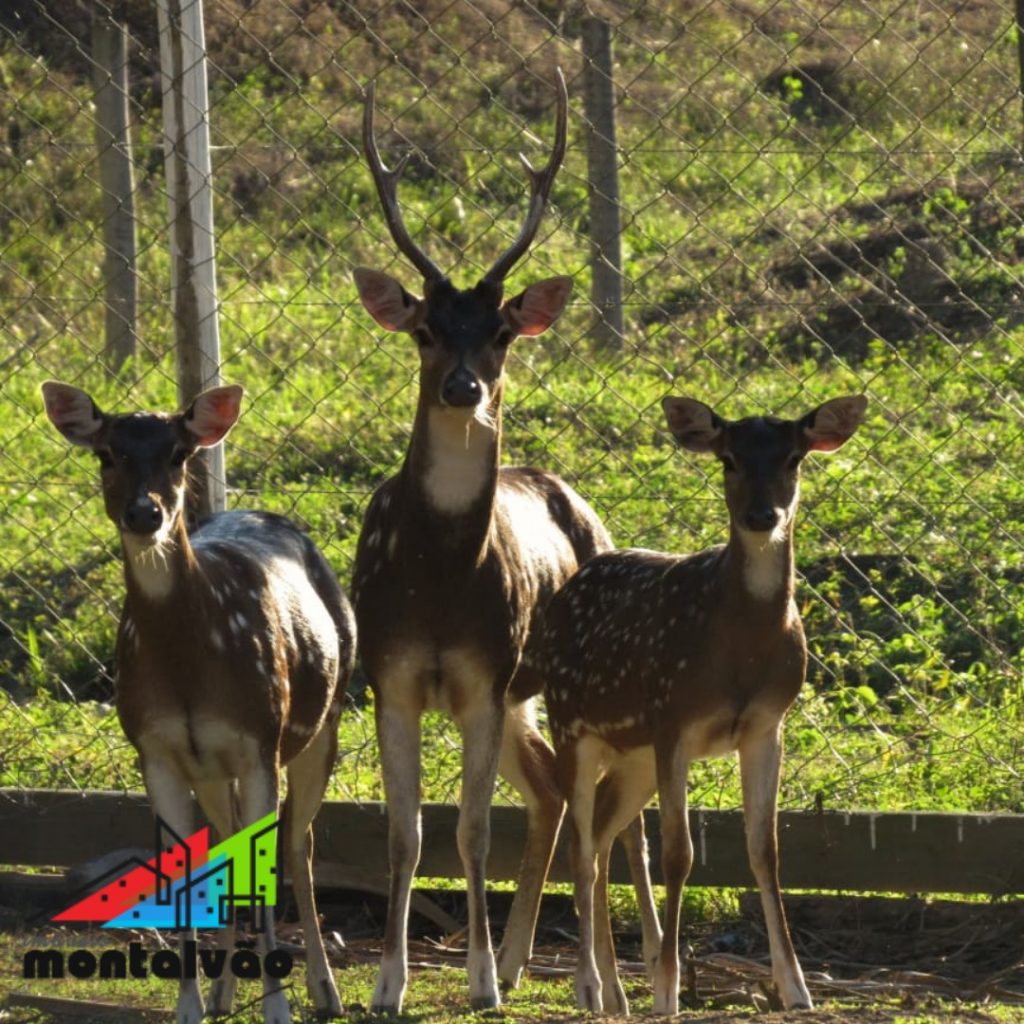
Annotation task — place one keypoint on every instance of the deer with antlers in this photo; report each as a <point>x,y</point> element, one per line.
<point>652,661</point>
<point>233,655</point>
<point>455,559</point>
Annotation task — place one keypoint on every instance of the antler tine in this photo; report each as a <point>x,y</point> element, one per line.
<point>386,181</point>
<point>540,188</point>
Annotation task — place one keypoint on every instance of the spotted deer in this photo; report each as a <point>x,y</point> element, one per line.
<point>233,654</point>
<point>455,559</point>
<point>652,661</point>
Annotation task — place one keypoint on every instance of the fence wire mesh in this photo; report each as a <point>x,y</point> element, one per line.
<point>816,198</point>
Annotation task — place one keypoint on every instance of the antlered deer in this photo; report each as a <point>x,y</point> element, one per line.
<point>652,661</point>
<point>455,558</point>
<point>233,654</point>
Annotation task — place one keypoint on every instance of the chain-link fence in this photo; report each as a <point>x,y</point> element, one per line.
<point>815,198</point>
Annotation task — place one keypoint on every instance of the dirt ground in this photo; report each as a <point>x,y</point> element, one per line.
<point>867,961</point>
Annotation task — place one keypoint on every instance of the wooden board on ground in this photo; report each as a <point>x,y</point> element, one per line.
<point>86,1009</point>
<point>832,850</point>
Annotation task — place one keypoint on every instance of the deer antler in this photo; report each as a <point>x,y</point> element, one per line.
<point>386,181</point>
<point>540,188</point>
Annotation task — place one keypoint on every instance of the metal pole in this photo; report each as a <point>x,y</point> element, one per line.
<point>190,197</point>
<point>1019,23</point>
<point>113,141</point>
<point>603,182</point>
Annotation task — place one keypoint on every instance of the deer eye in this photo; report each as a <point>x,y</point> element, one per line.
<point>423,337</point>
<point>793,462</point>
<point>728,462</point>
<point>178,456</point>
<point>106,457</point>
<point>503,337</point>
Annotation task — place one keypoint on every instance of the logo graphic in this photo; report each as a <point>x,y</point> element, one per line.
<point>189,884</point>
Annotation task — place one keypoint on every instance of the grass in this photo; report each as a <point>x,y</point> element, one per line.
<point>440,995</point>
<point>773,245</point>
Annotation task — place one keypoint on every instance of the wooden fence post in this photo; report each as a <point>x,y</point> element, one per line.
<point>113,141</point>
<point>190,197</point>
<point>1019,26</point>
<point>603,182</point>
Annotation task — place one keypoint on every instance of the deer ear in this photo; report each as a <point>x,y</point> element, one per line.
<point>695,425</point>
<point>387,301</point>
<point>533,311</point>
<point>213,414</point>
<point>833,424</point>
<point>72,412</point>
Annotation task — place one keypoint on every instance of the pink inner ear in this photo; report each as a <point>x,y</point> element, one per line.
<point>827,443</point>
<point>536,326</point>
<point>71,412</point>
<point>66,406</point>
<point>539,306</point>
<point>681,420</point>
<point>385,300</point>
<point>60,406</point>
<point>214,414</point>
<point>224,409</point>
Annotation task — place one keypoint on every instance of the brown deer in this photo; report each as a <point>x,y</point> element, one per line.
<point>233,654</point>
<point>455,558</point>
<point>652,661</point>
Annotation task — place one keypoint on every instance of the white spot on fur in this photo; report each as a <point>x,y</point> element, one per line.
<point>301,729</point>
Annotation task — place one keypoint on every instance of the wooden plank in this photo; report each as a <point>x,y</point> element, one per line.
<point>884,852</point>
<point>87,1009</point>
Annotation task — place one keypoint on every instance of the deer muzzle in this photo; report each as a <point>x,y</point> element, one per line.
<point>143,516</point>
<point>461,389</point>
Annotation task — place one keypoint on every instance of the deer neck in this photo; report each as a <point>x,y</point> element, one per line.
<point>154,571</point>
<point>761,564</point>
<point>452,468</point>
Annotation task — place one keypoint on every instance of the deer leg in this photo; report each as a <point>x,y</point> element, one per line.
<point>481,726</point>
<point>613,995</point>
<point>528,763</point>
<point>585,767</point>
<point>621,795</point>
<point>171,799</point>
<point>634,840</point>
<point>398,735</point>
<point>676,860</point>
<point>258,797</point>
<point>219,803</point>
<point>760,761</point>
<point>307,779</point>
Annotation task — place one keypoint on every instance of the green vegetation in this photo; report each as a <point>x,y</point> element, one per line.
<point>440,995</point>
<point>811,208</point>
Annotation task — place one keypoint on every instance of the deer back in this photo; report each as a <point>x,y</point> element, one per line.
<point>259,635</point>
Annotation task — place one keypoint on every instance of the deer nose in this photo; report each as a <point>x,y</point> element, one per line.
<point>143,516</point>
<point>764,518</point>
<point>461,388</point>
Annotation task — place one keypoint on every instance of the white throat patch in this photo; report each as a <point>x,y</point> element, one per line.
<point>149,564</point>
<point>460,458</point>
<point>765,563</point>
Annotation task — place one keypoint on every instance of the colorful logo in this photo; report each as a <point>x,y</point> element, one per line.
<point>189,884</point>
